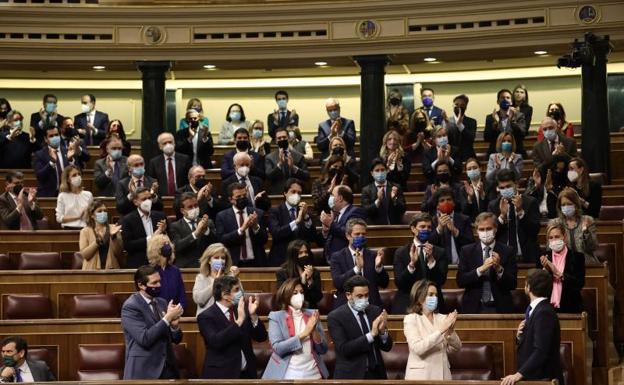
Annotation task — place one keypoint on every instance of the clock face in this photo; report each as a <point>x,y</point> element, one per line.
<point>587,14</point>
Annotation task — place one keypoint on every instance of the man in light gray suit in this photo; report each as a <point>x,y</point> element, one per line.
<point>110,170</point>
<point>17,367</point>
<point>284,163</point>
<point>150,325</point>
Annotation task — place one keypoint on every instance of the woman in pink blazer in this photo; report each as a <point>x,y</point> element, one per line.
<point>430,336</point>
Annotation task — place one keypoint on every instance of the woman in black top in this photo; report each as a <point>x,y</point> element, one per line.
<point>589,191</point>
<point>521,102</point>
<point>298,264</point>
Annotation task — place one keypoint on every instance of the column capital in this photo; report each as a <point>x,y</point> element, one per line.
<point>372,60</point>
<point>154,69</point>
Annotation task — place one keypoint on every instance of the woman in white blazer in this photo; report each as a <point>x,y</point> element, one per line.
<point>430,336</point>
<point>297,338</point>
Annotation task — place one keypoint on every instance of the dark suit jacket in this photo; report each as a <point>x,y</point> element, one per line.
<point>404,280</point>
<point>47,182</point>
<point>401,177</point>
<point>463,140</point>
<point>227,233</point>
<point>351,345</point>
<point>204,207</point>
<point>227,165</point>
<point>100,121</point>
<point>465,236</point>
<point>431,156</point>
<point>273,121</point>
<point>348,135</point>
<point>39,371</point>
<point>470,259</point>
<point>263,203</point>
<point>282,235</point>
<point>204,149</point>
<point>157,170</point>
<point>573,282</point>
<point>336,239</point>
<point>134,237</point>
<point>188,250</point>
<point>312,293</point>
<point>16,153</point>
<point>429,206</point>
<point>125,205</point>
<point>341,267</point>
<point>528,227</point>
<point>516,125</point>
<point>81,159</point>
<point>102,181</point>
<point>543,157</point>
<point>277,176</point>
<point>224,342</point>
<point>35,120</point>
<point>390,211</point>
<point>538,345</point>
<point>436,114</point>
<point>10,218</point>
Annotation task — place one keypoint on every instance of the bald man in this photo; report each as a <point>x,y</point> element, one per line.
<point>127,186</point>
<point>555,144</point>
<point>336,125</point>
<point>170,168</point>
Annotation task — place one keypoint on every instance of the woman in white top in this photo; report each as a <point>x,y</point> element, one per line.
<point>296,336</point>
<point>73,201</point>
<point>430,336</point>
<point>234,119</point>
<point>296,141</point>
<point>504,158</point>
<point>215,262</point>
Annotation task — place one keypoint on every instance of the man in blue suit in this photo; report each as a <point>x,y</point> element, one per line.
<point>357,259</point>
<point>334,224</point>
<point>150,325</point>
<point>92,124</point>
<point>242,230</point>
<point>336,125</point>
<point>436,114</point>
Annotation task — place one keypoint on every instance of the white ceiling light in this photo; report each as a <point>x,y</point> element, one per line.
<point>540,52</point>
<point>98,68</point>
<point>210,66</point>
<point>320,63</point>
<point>430,59</point>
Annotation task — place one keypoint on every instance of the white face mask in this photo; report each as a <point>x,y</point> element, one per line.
<point>556,245</point>
<point>293,199</point>
<point>146,205</point>
<point>243,171</point>
<point>572,176</point>
<point>486,237</point>
<point>296,301</point>
<point>192,214</point>
<point>76,181</point>
<point>85,108</point>
<point>168,149</point>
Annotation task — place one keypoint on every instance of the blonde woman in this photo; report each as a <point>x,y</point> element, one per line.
<point>337,147</point>
<point>398,164</point>
<point>215,262</point>
<point>100,243</point>
<point>73,200</point>
<point>196,105</point>
<point>258,142</point>
<point>505,157</point>
<point>160,254</point>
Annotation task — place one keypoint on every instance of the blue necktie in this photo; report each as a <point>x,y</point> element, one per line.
<point>293,213</point>
<point>18,375</point>
<point>526,313</point>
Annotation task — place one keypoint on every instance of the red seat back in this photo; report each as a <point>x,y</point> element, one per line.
<point>39,261</point>
<point>94,306</point>
<point>100,362</point>
<point>26,306</point>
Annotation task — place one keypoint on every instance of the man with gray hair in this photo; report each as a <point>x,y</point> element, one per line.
<point>555,144</point>
<point>127,186</point>
<point>335,126</point>
<point>170,168</point>
<point>340,203</point>
<point>256,196</point>
<point>357,259</point>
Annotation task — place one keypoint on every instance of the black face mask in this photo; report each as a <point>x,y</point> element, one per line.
<point>556,114</point>
<point>338,151</point>
<point>241,203</point>
<point>443,177</point>
<point>3,114</point>
<point>395,101</point>
<point>17,188</point>
<point>459,110</point>
<point>200,182</point>
<point>166,251</point>
<point>420,125</point>
<point>283,144</point>
<point>242,145</point>
<point>71,132</point>
<point>194,124</point>
<point>303,261</point>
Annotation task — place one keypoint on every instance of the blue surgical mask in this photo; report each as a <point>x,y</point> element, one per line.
<point>17,124</point>
<point>138,172</point>
<point>217,264</point>
<point>115,154</point>
<point>331,202</point>
<point>235,115</point>
<point>506,147</point>
<point>50,107</point>
<point>568,210</point>
<point>504,105</point>
<point>359,304</point>
<point>257,134</point>
<point>473,174</point>
<point>431,303</point>
<point>380,176</point>
<point>282,103</point>
<point>166,251</point>
<point>237,297</point>
<point>427,102</point>
<point>334,114</point>
<point>101,217</point>
<point>550,134</point>
<point>508,192</point>
<point>55,141</point>
<point>359,242</point>
<point>442,141</point>
<point>423,235</point>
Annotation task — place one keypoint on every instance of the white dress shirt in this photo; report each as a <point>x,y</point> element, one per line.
<point>418,245</point>
<point>248,245</point>
<point>25,373</point>
<point>534,304</point>
<point>147,224</point>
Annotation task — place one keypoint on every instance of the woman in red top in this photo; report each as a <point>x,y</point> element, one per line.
<point>555,110</point>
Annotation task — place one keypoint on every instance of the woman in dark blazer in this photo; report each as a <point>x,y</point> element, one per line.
<point>398,163</point>
<point>521,102</point>
<point>589,191</point>
<point>567,268</point>
<point>298,265</point>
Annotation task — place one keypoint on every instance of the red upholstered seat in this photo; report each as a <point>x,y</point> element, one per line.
<point>26,306</point>
<point>611,213</point>
<point>453,299</point>
<point>266,303</point>
<point>76,261</point>
<point>520,300</point>
<point>42,354</point>
<point>185,361</point>
<point>317,257</point>
<point>39,261</point>
<point>100,362</point>
<point>263,352</point>
<point>94,306</point>
<point>326,304</point>
<point>472,362</point>
<point>395,361</point>
<point>387,296</point>
<point>5,262</point>
<point>407,217</point>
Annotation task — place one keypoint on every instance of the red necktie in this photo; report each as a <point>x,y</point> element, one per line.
<point>170,178</point>
<point>243,237</point>
<point>231,313</point>
<point>552,146</point>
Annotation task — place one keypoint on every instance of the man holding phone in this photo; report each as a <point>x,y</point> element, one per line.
<point>19,209</point>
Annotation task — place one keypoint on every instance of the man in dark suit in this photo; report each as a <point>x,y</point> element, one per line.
<point>554,146</point>
<point>16,146</point>
<point>487,271</point>
<point>17,367</point>
<point>441,151</point>
<point>453,229</point>
<point>127,186</point>
<point>336,125</point>
<point>191,234</point>
<point>19,209</point>
<point>416,261</point>
<point>538,335</point>
<point>45,118</point>
<point>171,168</point>
<point>284,163</point>
<point>289,221</point>
<point>462,129</point>
<point>518,218</point>
<point>71,139</point>
<point>209,202</point>
<point>195,141</point>
<point>382,200</point>
<point>435,114</point>
<point>150,326</point>
<point>50,161</point>
<point>256,195</point>
<point>109,171</point>
<point>335,224</point>
<point>357,259</point>
<point>360,333</point>
<point>281,117</point>
<point>241,141</point>
<point>228,327</point>
<point>139,226</point>
<point>505,118</point>
<point>242,230</point>
<point>92,124</point>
